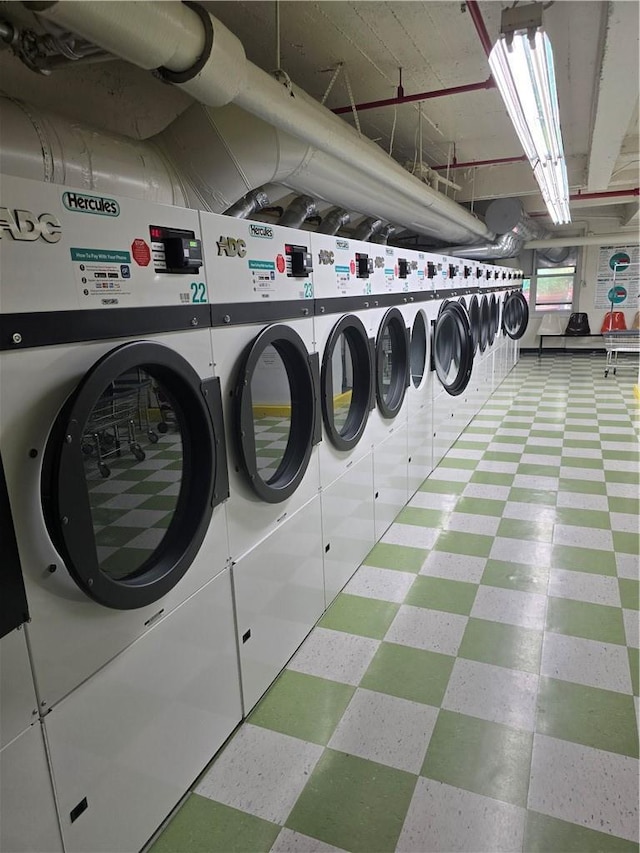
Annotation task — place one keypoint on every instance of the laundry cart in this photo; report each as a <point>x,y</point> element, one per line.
<point>622,341</point>
<point>121,415</point>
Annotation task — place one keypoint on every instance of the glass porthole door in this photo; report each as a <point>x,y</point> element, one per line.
<point>485,323</point>
<point>452,348</point>
<point>418,349</point>
<point>515,315</point>
<point>474,321</point>
<point>133,467</point>
<point>276,412</point>
<point>346,382</point>
<point>392,363</point>
<point>493,318</point>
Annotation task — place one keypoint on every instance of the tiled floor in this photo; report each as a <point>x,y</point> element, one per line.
<point>473,691</point>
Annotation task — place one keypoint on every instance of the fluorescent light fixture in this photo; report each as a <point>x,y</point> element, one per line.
<point>521,62</point>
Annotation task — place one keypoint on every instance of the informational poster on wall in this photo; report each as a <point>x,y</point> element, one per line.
<point>617,280</point>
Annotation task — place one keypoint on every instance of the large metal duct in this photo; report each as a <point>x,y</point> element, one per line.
<point>507,217</point>
<point>45,147</point>
<point>198,54</point>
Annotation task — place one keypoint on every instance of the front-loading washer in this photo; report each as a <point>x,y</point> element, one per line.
<point>112,440</point>
<point>413,294</point>
<point>515,319</point>
<point>263,341</point>
<point>451,355</point>
<point>342,285</point>
<point>391,381</point>
<point>28,819</point>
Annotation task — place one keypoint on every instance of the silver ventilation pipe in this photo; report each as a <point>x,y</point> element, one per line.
<point>368,228</point>
<point>336,219</point>
<point>383,235</point>
<point>194,51</point>
<point>252,202</point>
<point>301,208</point>
<point>507,217</point>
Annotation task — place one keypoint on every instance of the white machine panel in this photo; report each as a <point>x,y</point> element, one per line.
<point>249,518</point>
<point>28,820</point>
<point>128,743</point>
<point>446,423</point>
<point>253,261</point>
<point>279,594</point>
<point>347,525</point>
<point>390,478</point>
<point>18,704</point>
<point>340,268</point>
<point>70,635</point>
<point>420,444</point>
<point>334,462</point>
<point>66,250</point>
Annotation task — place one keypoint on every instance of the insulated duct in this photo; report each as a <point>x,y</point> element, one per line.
<point>195,52</point>
<point>252,202</point>
<point>336,219</point>
<point>301,208</point>
<point>507,217</point>
<point>45,147</point>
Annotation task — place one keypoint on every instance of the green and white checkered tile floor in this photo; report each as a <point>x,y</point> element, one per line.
<point>472,688</point>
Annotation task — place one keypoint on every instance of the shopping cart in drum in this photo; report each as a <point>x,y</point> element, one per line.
<point>117,418</point>
<point>616,342</point>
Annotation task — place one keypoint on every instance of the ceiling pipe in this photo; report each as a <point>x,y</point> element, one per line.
<point>301,208</point>
<point>252,202</point>
<point>478,21</point>
<point>605,194</point>
<point>420,96</point>
<point>495,161</point>
<point>336,219</point>
<point>194,51</point>
<point>620,237</point>
<point>507,217</point>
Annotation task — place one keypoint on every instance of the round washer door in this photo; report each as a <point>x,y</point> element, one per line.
<point>418,349</point>
<point>133,467</point>
<point>275,413</point>
<point>345,382</point>
<point>485,323</point>
<point>474,321</point>
<point>453,348</point>
<point>392,363</point>
<point>494,313</point>
<point>515,315</point>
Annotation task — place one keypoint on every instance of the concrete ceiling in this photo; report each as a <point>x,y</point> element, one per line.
<point>436,45</point>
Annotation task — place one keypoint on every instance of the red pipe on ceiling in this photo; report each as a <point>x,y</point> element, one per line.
<point>605,194</point>
<point>420,96</point>
<point>478,20</point>
<point>401,98</point>
<point>496,161</point>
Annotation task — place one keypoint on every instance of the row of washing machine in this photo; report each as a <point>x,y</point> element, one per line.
<point>205,425</point>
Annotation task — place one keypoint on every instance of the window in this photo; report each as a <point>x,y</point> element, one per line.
<point>526,289</point>
<point>554,288</point>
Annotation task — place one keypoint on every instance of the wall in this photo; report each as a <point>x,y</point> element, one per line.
<point>584,299</point>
